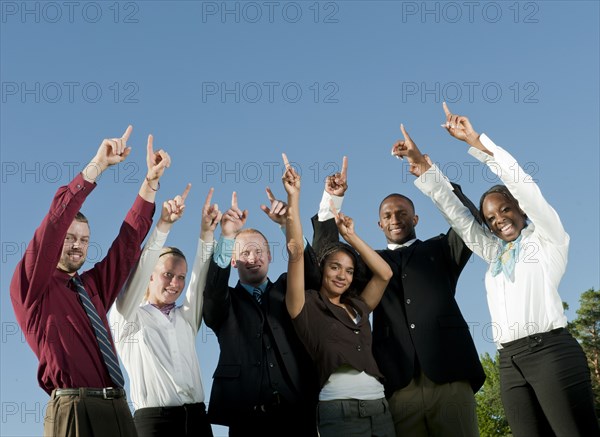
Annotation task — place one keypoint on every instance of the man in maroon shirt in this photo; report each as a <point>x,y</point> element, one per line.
<point>46,293</point>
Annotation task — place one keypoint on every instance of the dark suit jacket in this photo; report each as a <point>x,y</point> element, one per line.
<point>239,323</point>
<point>418,316</point>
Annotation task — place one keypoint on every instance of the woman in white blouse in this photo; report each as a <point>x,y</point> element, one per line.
<point>544,377</point>
<point>156,339</point>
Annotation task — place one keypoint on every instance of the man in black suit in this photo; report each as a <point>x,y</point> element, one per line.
<point>265,383</point>
<point>421,341</point>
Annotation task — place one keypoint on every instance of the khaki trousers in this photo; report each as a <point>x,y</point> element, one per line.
<point>424,409</point>
<point>85,416</point>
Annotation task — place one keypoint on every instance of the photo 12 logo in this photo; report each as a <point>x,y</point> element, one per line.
<point>270,92</point>
<point>470,12</point>
<point>270,12</point>
<point>36,12</point>
<point>470,91</point>
<point>70,92</point>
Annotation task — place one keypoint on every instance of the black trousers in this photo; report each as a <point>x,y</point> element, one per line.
<point>546,387</point>
<point>280,421</point>
<point>183,421</point>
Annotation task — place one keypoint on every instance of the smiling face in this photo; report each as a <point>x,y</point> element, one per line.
<point>397,219</point>
<point>337,276</point>
<point>251,257</point>
<point>503,216</point>
<point>167,280</point>
<point>75,247</point>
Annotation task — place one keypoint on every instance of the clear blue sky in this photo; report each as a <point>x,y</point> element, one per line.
<point>226,87</point>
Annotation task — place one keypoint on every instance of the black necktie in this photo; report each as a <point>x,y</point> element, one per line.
<point>110,358</point>
<point>257,293</point>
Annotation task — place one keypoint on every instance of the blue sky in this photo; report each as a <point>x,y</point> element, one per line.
<point>225,87</point>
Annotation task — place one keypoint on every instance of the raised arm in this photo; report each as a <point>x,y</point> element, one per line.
<point>133,293</point>
<point>295,297</point>
<point>519,183</point>
<point>194,295</point>
<point>216,292</point>
<point>111,273</point>
<point>382,273</point>
<point>41,258</point>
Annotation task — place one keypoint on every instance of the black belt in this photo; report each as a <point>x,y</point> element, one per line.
<point>104,393</point>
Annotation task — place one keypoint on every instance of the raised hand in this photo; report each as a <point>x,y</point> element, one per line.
<point>459,126</point>
<point>172,210</point>
<point>344,223</point>
<point>337,183</point>
<point>211,216</point>
<point>233,219</point>
<point>156,161</point>
<point>111,151</point>
<point>291,179</point>
<point>418,163</point>
<point>277,210</point>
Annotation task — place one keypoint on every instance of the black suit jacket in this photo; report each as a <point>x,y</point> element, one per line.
<point>418,316</point>
<point>239,324</point>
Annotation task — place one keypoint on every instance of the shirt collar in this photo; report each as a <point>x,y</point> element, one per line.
<point>250,288</point>
<point>394,246</point>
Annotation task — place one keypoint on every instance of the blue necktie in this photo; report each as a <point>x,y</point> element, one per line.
<point>110,358</point>
<point>257,293</point>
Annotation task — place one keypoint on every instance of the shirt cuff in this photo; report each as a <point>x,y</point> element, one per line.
<point>480,155</point>
<point>325,213</point>
<point>428,181</point>
<point>223,251</point>
<point>80,184</point>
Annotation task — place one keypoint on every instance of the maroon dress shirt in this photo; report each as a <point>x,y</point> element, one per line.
<point>46,304</point>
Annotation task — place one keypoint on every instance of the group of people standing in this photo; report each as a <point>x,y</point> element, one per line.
<point>298,356</point>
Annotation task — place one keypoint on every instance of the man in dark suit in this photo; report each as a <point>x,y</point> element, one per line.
<point>264,383</point>
<point>421,341</point>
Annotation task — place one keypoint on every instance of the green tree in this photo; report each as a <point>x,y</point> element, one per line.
<point>586,329</point>
<point>490,412</point>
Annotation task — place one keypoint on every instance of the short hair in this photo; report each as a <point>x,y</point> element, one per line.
<point>254,231</point>
<point>497,189</point>
<point>79,217</point>
<point>359,280</point>
<point>169,250</point>
<point>402,196</point>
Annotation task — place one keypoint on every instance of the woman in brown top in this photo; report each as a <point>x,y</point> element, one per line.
<point>333,324</point>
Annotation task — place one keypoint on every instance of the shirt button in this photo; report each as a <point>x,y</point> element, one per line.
<point>358,348</point>
<point>408,301</point>
<point>412,326</point>
<point>78,185</point>
<point>404,275</point>
<point>271,365</point>
<point>357,332</point>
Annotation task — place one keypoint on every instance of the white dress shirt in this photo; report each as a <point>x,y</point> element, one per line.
<point>158,351</point>
<point>530,304</point>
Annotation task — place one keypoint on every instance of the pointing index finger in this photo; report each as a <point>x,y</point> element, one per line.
<point>344,167</point>
<point>270,195</point>
<point>446,110</point>
<point>186,191</point>
<point>234,203</point>
<point>285,161</point>
<point>406,136</point>
<point>209,197</point>
<point>127,133</point>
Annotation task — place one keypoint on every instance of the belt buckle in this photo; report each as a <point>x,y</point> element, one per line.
<point>105,395</point>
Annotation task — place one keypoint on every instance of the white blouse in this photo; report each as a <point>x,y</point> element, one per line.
<point>158,351</point>
<point>530,304</point>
